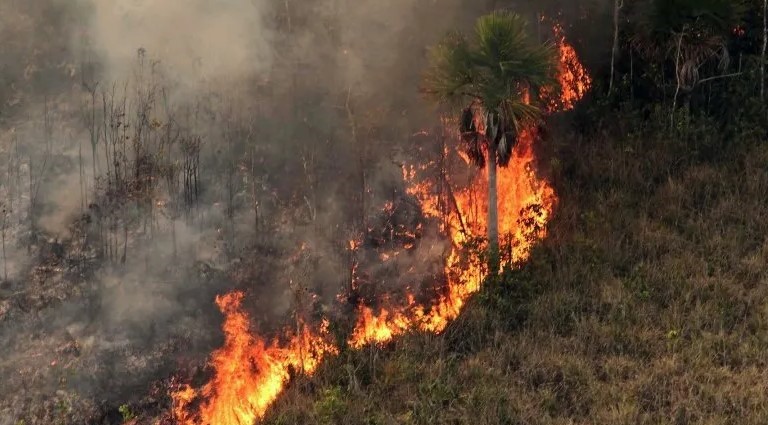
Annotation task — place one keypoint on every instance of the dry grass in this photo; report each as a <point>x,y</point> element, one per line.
<point>648,304</point>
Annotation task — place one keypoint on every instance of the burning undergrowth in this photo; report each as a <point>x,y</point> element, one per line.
<point>409,272</point>
<point>249,372</point>
<point>458,211</point>
<point>187,195</point>
<point>427,242</point>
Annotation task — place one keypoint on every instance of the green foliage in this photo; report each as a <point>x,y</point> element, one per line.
<point>696,61</point>
<point>451,70</point>
<point>497,67</point>
<point>126,412</point>
<point>330,407</point>
<point>507,297</point>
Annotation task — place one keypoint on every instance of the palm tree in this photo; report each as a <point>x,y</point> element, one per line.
<point>492,76</point>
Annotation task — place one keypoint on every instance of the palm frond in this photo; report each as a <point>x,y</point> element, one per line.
<point>450,76</point>
<point>494,72</point>
<point>520,114</point>
<point>508,60</point>
<point>474,148</point>
<point>504,148</point>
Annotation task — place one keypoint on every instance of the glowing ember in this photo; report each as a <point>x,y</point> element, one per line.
<point>248,373</point>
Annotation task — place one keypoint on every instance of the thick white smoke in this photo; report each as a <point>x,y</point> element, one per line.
<point>194,38</point>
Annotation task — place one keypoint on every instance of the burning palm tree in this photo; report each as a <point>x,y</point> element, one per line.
<point>492,76</point>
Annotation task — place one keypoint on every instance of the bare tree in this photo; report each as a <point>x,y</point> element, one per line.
<point>362,153</point>
<point>617,5</point>
<point>90,119</point>
<point>678,76</point>
<point>765,46</point>
<point>5,256</point>
<point>36,179</point>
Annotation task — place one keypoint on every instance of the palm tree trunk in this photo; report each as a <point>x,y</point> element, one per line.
<point>493,215</point>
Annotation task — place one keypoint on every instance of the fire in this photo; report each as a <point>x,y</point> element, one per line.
<point>573,77</point>
<point>526,203</point>
<point>249,374</point>
<point>379,328</point>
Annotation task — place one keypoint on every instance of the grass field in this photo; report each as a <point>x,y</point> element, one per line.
<point>647,304</point>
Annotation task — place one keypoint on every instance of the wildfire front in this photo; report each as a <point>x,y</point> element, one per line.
<point>249,373</point>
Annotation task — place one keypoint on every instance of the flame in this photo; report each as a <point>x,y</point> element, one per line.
<point>248,373</point>
<point>525,204</point>
<point>573,77</point>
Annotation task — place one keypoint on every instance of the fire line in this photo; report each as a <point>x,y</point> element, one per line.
<point>249,373</point>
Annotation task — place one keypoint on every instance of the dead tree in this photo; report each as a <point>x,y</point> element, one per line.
<point>765,46</point>
<point>362,153</point>
<point>36,179</point>
<point>678,76</point>
<point>190,151</point>
<point>4,227</point>
<point>617,5</point>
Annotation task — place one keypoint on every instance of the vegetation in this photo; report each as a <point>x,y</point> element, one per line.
<point>496,78</point>
<point>126,412</point>
<point>645,304</point>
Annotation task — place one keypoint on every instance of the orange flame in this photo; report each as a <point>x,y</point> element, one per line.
<point>525,204</point>
<point>248,373</point>
<point>519,189</point>
<point>574,79</point>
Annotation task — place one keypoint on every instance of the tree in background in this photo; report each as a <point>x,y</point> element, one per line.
<point>692,35</point>
<point>492,76</point>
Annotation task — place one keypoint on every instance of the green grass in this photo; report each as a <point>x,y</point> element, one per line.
<point>648,304</point>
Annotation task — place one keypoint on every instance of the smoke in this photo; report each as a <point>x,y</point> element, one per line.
<point>303,111</point>
<point>195,40</point>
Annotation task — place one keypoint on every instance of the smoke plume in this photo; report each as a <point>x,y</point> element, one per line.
<point>154,154</point>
